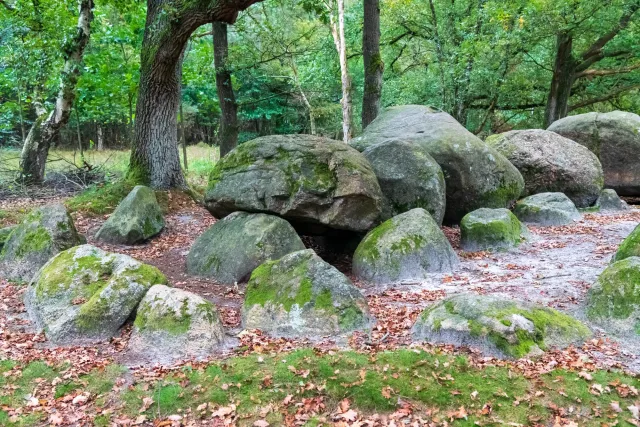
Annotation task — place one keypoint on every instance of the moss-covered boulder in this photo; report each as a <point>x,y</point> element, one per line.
<point>497,326</point>
<point>41,235</point>
<point>609,201</point>
<point>550,162</point>
<point>137,218</point>
<point>85,294</point>
<point>300,295</point>
<point>613,302</point>
<point>4,235</point>
<point>490,229</point>
<point>315,183</point>
<point>547,209</point>
<point>615,138</point>
<point>173,325</point>
<point>406,247</point>
<point>630,246</point>
<point>409,178</point>
<point>234,246</point>
<point>476,175</point>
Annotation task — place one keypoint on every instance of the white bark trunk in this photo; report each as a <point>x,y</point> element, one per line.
<point>337,31</point>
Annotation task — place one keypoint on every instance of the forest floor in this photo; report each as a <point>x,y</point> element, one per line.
<point>377,379</point>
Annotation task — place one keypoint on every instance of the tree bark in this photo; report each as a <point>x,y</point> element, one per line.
<point>228,134</point>
<point>562,80</point>
<point>305,100</point>
<point>373,65</point>
<point>100,138</point>
<point>154,157</point>
<point>46,128</point>
<point>337,31</point>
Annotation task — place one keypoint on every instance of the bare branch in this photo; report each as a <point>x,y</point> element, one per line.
<point>599,73</point>
<point>604,98</point>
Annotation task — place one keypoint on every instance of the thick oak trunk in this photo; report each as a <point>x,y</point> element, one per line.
<point>47,127</point>
<point>562,80</point>
<point>373,65</point>
<point>228,134</point>
<point>154,158</point>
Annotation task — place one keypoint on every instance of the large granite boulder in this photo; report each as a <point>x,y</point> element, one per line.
<point>613,302</point>
<point>547,209</point>
<point>490,229</point>
<point>315,183</point>
<point>549,162</point>
<point>476,175</point>
<point>497,326</point>
<point>173,325</point>
<point>630,247</point>
<point>234,246</point>
<point>409,178</point>
<point>137,218</point>
<point>406,247</point>
<point>85,294</point>
<point>609,201</point>
<point>43,233</point>
<point>615,138</point>
<point>4,235</point>
<point>300,295</point>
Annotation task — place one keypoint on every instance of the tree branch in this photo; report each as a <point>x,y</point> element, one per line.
<point>604,98</point>
<point>598,73</point>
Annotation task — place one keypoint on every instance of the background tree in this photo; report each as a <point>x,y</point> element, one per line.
<point>228,133</point>
<point>373,65</point>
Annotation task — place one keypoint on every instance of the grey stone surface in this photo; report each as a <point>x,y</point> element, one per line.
<point>491,229</point>
<point>547,209</point>
<point>609,201</point>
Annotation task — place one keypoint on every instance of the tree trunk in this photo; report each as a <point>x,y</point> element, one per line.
<point>373,65</point>
<point>305,100</point>
<point>562,80</point>
<point>337,31</point>
<point>228,134</point>
<point>183,140</point>
<point>154,156</point>
<point>100,138</point>
<point>46,128</point>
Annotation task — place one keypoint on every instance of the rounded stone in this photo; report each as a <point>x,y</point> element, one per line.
<point>476,175</point>
<point>550,162</point>
<point>234,246</point>
<point>406,247</point>
<point>315,183</point>
<point>172,325</point>
<point>630,247</point>
<point>497,326</point>
<point>615,138</point>
<point>4,235</point>
<point>490,229</point>
<point>409,178</point>
<point>85,294</point>
<point>300,295</point>
<point>609,201</point>
<point>547,209</point>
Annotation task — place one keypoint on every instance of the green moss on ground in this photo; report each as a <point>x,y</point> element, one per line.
<point>100,199</point>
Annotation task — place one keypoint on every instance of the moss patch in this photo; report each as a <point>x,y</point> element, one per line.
<point>617,293</point>
<point>630,247</point>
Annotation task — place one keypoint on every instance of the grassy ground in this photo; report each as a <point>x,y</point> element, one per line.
<point>441,387</point>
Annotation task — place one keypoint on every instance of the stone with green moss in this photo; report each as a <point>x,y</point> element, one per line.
<point>407,247</point>
<point>85,294</point>
<point>409,178</point>
<point>41,235</point>
<point>630,247</point>
<point>476,175</point>
<point>499,327</point>
<point>315,183</point>
<point>234,246</point>
<point>4,235</point>
<point>613,301</point>
<point>547,209</point>
<point>609,201</point>
<point>137,218</point>
<point>172,325</point>
<point>300,295</point>
<point>491,229</point>
<point>549,162</point>
<point>615,138</point>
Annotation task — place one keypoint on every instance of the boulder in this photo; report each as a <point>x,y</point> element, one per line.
<point>4,235</point>
<point>490,229</point>
<point>406,247</point>
<point>409,178</point>
<point>630,247</point>
<point>315,183</point>
<point>547,209</point>
<point>137,218</point>
<point>300,295</point>
<point>549,162</point>
<point>173,325</point>
<point>497,326</point>
<point>615,138</point>
<point>476,175</point>
<point>609,201</point>
<point>43,233</point>
<point>85,294</point>
<point>234,246</point>
<point>613,302</point>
